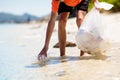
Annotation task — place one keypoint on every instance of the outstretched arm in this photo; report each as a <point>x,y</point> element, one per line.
<point>50,27</point>
<point>49,31</point>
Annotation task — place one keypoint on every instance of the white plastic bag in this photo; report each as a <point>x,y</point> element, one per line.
<point>90,37</point>
<point>103,5</point>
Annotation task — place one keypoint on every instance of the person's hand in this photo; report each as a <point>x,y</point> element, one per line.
<point>42,54</point>
<point>97,5</point>
<point>95,0</point>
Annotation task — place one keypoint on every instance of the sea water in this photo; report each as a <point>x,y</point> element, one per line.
<point>9,52</point>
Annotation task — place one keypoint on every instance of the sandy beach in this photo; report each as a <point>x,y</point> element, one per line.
<point>21,44</point>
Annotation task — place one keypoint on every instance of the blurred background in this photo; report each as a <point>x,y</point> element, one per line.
<point>116,4</point>
<point>20,11</point>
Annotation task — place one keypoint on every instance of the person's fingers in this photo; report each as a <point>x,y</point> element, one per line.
<point>45,55</point>
<point>41,57</point>
<point>38,57</point>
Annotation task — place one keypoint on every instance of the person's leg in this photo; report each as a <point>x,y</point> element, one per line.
<point>79,20</point>
<point>62,32</point>
<point>82,9</point>
<point>64,12</point>
<point>80,17</point>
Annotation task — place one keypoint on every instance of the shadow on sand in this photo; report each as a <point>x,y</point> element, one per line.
<point>59,60</point>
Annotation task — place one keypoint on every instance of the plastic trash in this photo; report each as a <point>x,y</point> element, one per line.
<point>90,37</point>
<point>103,5</point>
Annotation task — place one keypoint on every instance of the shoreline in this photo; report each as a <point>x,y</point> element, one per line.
<point>18,61</point>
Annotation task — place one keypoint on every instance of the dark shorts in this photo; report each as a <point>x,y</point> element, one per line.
<point>81,6</point>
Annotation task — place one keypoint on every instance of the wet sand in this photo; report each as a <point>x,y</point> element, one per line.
<point>21,45</point>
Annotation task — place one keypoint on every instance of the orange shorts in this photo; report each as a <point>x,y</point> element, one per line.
<point>55,5</point>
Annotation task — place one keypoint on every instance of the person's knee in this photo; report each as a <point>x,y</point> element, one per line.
<point>79,21</point>
<point>80,17</point>
<point>63,18</point>
<point>53,16</point>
